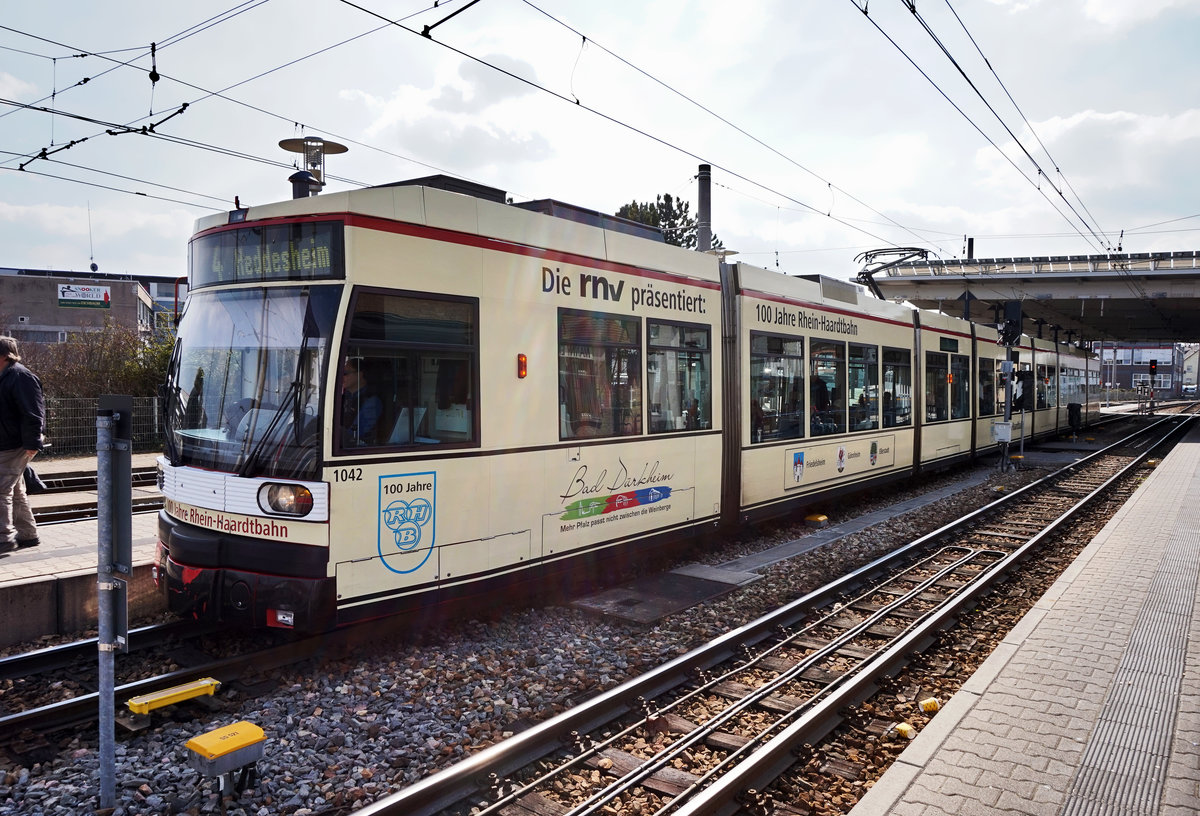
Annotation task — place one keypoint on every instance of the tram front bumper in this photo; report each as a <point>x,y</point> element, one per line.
<point>197,583</point>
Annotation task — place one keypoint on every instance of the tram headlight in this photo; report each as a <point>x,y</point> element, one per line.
<point>285,499</point>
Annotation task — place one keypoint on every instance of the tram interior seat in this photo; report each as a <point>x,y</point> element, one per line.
<point>400,433</point>
<point>254,424</point>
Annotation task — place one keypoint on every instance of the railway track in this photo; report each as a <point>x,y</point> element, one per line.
<point>162,656</point>
<point>707,732</point>
<point>832,632</point>
<point>74,504</point>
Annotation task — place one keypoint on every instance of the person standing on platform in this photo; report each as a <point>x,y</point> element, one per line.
<point>22,423</point>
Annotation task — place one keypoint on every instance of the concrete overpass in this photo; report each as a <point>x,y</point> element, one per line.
<point>1119,296</point>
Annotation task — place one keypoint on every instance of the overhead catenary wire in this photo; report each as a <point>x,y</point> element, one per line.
<point>1130,280</point>
<point>113,189</point>
<point>141,51</point>
<point>846,221</point>
<point>1098,246</point>
<point>123,178</point>
<point>912,6</point>
<point>706,109</point>
<point>1024,118</point>
<point>387,22</point>
<point>113,129</point>
<point>221,94</point>
<point>613,120</point>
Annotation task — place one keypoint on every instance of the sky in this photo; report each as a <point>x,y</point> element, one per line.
<point>833,127</point>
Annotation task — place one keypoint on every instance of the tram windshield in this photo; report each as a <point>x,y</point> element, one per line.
<point>244,388</point>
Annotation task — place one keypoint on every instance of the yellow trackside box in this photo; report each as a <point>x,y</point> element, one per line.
<point>226,749</point>
<point>146,703</point>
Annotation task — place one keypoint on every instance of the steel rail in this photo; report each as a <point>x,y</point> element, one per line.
<point>75,481</point>
<point>66,654</point>
<point>467,777</point>
<point>85,511</point>
<point>739,707</point>
<point>83,708</point>
<point>713,725</point>
<point>84,482</point>
<point>722,798</point>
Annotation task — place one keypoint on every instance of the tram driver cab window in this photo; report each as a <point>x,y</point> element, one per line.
<point>361,406</point>
<point>410,372</point>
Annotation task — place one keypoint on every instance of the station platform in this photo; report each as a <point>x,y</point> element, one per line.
<point>51,588</point>
<point>1091,705</point>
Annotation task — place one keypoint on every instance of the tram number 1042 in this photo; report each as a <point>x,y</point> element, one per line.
<point>347,474</point>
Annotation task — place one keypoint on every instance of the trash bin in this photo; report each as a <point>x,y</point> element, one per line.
<point>1075,416</point>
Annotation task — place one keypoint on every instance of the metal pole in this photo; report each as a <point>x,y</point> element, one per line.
<point>1112,372</point>
<point>704,211</point>
<point>105,586</point>
<point>1009,369</point>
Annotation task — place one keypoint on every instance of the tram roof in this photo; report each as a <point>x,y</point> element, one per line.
<point>545,206</point>
<point>1120,296</point>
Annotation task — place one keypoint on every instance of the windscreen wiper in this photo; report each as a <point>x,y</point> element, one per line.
<point>168,398</point>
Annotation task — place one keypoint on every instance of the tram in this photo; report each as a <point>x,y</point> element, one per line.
<point>398,397</point>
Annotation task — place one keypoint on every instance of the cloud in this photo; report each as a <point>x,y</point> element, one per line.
<point>1124,149</point>
<point>1131,12</point>
<point>57,237</point>
<point>480,87</point>
<point>13,88</point>
<point>1112,13</point>
<point>473,116</point>
<point>71,221</point>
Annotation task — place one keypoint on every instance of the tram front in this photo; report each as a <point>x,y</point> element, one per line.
<point>243,536</point>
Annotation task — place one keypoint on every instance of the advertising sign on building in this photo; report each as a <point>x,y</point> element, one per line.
<point>82,296</point>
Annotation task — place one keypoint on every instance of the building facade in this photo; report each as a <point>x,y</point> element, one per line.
<point>1142,365</point>
<point>39,306</point>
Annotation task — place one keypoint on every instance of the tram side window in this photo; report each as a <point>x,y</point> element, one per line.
<point>960,386</point>
<point>410,372</point>
<point>864,387</point>
<point>776,387</point>
<point>1041,386</point>
<point>828,387</point>
<point>1072,387</point>
<point>897,387</point>
<point>1022,387</point>
<point>678,377</point>
<point>599,375</point>
<point>987,386</point>
<point>937,371</point>
<point>1051,386</point>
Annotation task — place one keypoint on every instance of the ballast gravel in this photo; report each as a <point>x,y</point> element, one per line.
<point>342,734</point>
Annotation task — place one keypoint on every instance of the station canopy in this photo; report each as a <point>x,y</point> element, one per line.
<point>1124,297</point>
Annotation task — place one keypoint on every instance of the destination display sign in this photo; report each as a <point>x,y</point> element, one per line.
<point>304,251</point>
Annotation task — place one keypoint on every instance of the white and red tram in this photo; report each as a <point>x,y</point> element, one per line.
<point>391,398</point>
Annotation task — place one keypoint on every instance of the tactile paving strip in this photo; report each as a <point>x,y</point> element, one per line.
<point>1125,762</point>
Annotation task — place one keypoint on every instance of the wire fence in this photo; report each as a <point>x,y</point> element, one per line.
<point>71,425</point>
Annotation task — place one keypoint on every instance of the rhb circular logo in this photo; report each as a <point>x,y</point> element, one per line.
<point>406,525</point>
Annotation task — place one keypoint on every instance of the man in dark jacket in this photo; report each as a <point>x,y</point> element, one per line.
<point>22,423</point>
